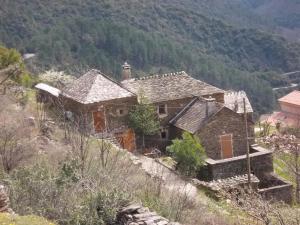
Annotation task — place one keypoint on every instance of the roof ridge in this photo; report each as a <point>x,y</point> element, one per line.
<point>161,75</point>
<point>112,80</point>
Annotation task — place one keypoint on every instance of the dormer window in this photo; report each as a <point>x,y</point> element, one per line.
<point>162,110</point>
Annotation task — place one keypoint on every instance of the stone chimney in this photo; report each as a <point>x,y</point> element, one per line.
<point>126,71</point>
<point>236,106</point>
<point>207,101</point>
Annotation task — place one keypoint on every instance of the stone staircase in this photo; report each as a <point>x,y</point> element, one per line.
<point>109,137</point>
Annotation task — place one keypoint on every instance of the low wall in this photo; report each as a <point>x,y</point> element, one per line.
<point>274,188</point>
<point>261,164</point>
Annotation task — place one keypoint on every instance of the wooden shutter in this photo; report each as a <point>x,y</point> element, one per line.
<point>99,121</point>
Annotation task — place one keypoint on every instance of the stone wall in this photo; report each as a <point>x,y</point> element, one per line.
<point>136,214</point>
<point>173,108</point>
<point>261,165</point>
<point>275,188</point>
<point>225,122</point>
<point>111,111</point>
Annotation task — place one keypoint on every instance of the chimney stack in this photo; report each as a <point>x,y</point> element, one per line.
<point>126,71</point>
<point>207,101</point>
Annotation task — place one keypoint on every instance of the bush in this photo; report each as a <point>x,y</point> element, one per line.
<point>188,153</point>
<point>26,80</point>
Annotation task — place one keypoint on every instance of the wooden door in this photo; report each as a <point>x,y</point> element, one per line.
<point>226,146</point>
<point>99,121</point>
<point>127,139</point>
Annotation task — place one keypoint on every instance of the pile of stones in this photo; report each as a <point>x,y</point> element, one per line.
<point>136,214</point>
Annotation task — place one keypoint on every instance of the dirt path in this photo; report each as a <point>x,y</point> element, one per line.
<point>171,180</point>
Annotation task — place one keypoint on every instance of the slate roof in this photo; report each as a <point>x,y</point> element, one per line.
<point>51,90</point>
<point>172,86</point>
<point>291,98</point>
<point>94,87</point>
<point>234,101</point>
<point>194,115</point>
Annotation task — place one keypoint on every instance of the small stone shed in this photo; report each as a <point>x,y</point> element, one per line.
<point>221,130</point>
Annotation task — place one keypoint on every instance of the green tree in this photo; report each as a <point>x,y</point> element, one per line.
<point>11,66</point>
<point>143,119</point>
<point>188,153</point>
<point>9,57</point>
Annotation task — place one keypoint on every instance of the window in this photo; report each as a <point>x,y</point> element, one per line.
<point>164,133</point>
<point>121,112</point>
<point>162,109</point>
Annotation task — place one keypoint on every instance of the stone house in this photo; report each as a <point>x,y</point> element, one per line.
<point>170,93</point>
<point>103,105</point>
<point>289,114</point>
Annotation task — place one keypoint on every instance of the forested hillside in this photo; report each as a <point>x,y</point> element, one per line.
<point>154,36</point>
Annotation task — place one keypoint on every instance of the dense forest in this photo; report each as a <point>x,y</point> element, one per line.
<point>154,36</point>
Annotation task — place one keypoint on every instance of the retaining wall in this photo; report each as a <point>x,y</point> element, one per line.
<point>261,164</point>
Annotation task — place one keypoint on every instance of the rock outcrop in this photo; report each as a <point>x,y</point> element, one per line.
<point>135,214</point>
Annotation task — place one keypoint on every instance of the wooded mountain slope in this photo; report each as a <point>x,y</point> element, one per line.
<point>154,36</point>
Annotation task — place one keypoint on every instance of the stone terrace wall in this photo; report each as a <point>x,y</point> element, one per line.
<point>136,214</point>
<point>261,164</point>
<point>275,188</point>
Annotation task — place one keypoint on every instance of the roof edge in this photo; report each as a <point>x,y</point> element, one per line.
<point>187,107</point>
<point>183,73</point>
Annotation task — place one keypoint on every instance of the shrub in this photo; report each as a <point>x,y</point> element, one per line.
<point>188,153</point>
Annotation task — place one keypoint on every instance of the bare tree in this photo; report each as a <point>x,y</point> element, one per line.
<point>254,205</point>
<point>289,144</point>
<point>15,147</point>
<point>80,140</point>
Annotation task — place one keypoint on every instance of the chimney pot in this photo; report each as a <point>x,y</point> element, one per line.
<point>126,71</point>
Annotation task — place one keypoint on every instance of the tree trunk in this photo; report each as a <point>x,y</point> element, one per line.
<point>143,143</point>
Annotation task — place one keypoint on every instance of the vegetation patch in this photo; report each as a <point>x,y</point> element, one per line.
<point>10,219</point>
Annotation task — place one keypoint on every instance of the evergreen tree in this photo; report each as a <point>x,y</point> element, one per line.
<point>143,118</point>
